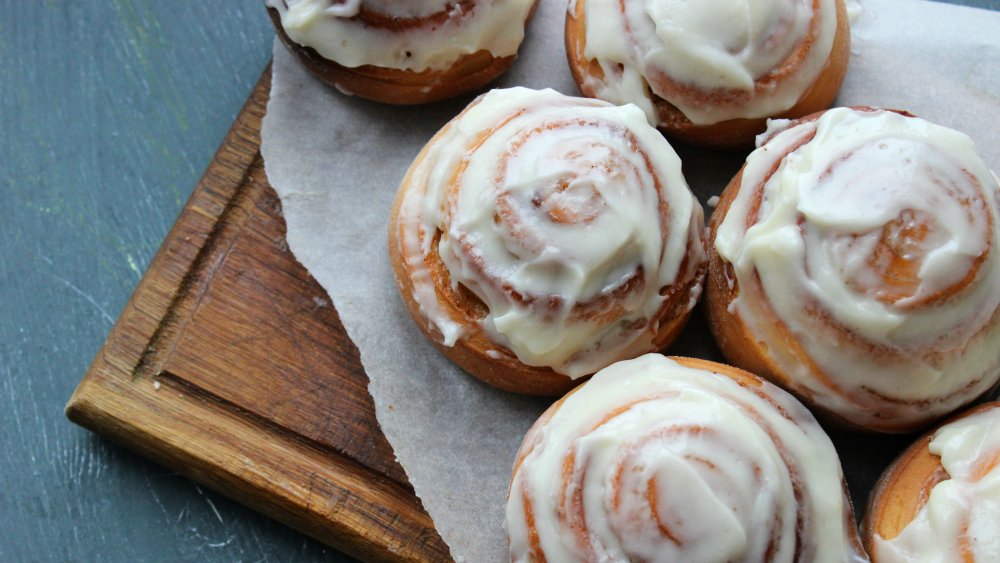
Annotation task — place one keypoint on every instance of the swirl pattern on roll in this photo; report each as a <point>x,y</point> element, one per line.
<point>961,514</point>
<point>714,61</point>
<point>567,218</point>
<point>863,248</point>
<point>413,35</point>
<point>659,459</point>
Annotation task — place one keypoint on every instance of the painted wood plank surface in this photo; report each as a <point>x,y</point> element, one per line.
<point>109,113</point>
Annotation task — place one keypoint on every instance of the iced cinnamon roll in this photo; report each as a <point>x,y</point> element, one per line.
<point>940,501</point>
<point>660,459</point>
<point>710,73</point>
<point>403,52</point>
<point>856,262</point>
<point>538,238</point>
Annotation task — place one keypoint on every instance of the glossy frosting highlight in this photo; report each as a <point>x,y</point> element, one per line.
<point>412,35</point>
<point>962,514</point>
<point>872,237</point>
<point>565,216</point>
<point>651,460</point>
<point>714,60</point>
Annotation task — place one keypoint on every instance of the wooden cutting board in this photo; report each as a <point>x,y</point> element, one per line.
<point>230,366</point>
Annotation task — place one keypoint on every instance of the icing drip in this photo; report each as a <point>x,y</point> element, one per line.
<point>654,461</point>
<point>872,238</point>
<point>565,216</point>
<point>412,35</point>
<point>962,513</point>
<point>714,60</point>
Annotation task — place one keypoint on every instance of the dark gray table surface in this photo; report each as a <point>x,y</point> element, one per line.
<point>109,113</point>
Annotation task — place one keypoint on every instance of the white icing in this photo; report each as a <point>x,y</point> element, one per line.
<point>333,30</point>
<point>693,452</point>
<point>866,177</point>
<point>528,159</point>
<point>709,45</point>
<point>967,504</point>
<point>854,11</point>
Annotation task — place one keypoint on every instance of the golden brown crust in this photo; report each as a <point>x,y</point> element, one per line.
<point>475,351</point>
<point>471,351</point>
<point>905,487</point>
<point>400,87</point>
<point>748,350</point>
<point>739,346</point>
<point>734,133</point>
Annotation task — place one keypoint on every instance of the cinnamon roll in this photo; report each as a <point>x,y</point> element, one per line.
<point>538,238</point>
<point>659,459</point>
<point>408,52</point>
<point>940,500</point>
<point>855,262</point>
<point>710,73</point>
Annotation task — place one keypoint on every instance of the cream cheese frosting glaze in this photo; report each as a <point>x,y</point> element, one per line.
<point>655,460</point>
<point>864,248</point>
<point>713,60</point>
<point>412,35</point>
<point>568,218</point>
<point>961,517</point>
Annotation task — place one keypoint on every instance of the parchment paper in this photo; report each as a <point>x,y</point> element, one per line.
<point>336,162</point>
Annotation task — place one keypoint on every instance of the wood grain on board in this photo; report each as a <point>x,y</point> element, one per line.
<point>230,366</point>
